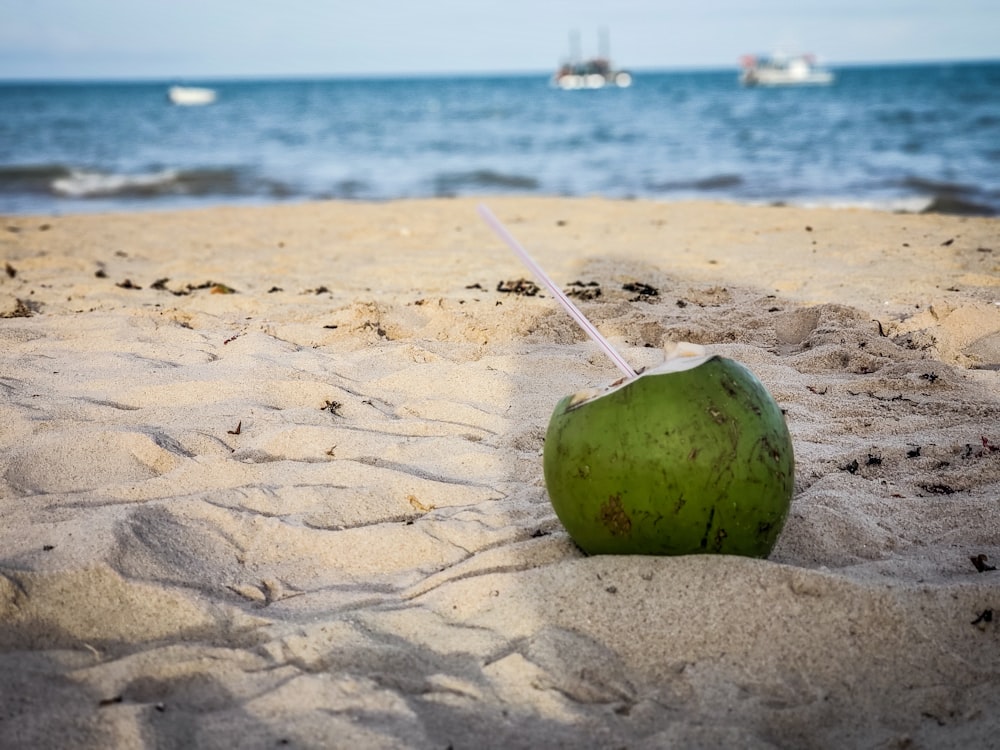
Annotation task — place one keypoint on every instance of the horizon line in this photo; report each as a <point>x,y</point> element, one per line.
<point>399,75</point>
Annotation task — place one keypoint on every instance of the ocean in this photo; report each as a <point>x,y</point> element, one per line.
<point>898,137</point>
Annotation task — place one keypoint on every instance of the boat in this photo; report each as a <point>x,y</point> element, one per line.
<point>591,73</point>
<point>595,73</point>
<point>783,70</point>
<point>190,96</point>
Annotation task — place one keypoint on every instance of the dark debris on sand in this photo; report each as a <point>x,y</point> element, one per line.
<point>520,287</point>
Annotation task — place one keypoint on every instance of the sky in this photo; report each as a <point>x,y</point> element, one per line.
<point>171,39</point>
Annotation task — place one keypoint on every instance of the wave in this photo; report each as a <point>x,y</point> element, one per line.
<point>915,182</point>
<point>100,184</point>
<point>450,183</point>
<point>943,204</point>
<point>713,182</point>
<point>30,178</point>
<point>68,182</point>
<point>349,189</point>
<point>198,182</point>
<point>31,185</point>
<point>952,197</point>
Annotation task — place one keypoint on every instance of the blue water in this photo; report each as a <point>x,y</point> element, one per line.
<point>897,137</point>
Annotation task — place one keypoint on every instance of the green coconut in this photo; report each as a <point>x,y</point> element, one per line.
<point>691,457</point>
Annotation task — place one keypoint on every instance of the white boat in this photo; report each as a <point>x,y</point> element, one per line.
<point>783,70</point>
<point>592,73</point>
<point>190,96</point>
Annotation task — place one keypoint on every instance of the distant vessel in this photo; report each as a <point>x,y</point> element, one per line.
<point>190,96</point>
<point>783,70</point>
<point>591,73</point>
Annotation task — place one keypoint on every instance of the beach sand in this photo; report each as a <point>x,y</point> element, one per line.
<point>311,512</point>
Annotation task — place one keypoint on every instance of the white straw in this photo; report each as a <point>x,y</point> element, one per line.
<point>572,309</point>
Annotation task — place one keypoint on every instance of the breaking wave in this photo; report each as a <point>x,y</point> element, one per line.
<point>199,182</point>
<point>67,182</point>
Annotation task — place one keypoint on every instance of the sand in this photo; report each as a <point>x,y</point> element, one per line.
<point>271,476</point>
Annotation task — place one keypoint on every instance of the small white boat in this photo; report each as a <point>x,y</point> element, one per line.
<point>190,96</point>
<point>783,70</point>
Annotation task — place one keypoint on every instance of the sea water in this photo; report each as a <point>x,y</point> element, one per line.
<point>901,137</point>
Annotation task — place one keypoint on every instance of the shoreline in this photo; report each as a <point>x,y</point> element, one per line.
<point>273,474</point>
<point>937,199</point>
